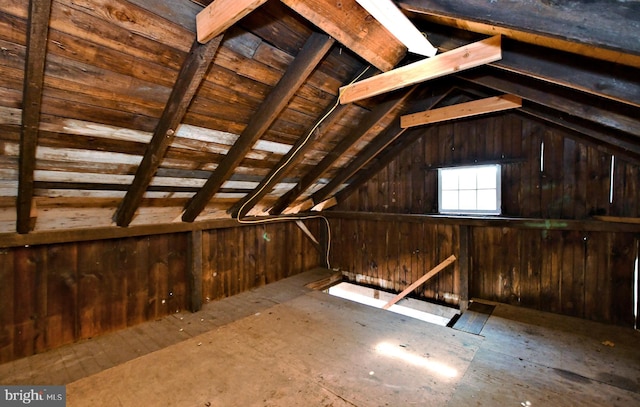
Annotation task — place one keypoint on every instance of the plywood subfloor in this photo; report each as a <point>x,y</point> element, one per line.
<point>284,345</point>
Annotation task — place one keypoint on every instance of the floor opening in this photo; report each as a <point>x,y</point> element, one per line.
<point>410,307</point>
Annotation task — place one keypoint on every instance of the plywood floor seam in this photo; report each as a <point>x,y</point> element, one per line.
<point>284,345</point>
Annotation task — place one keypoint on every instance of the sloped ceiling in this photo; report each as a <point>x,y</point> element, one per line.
<point>112,115</point>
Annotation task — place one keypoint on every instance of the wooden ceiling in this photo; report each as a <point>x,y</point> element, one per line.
<point>113,115</point>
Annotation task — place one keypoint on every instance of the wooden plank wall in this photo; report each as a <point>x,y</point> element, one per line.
<point>392,255</point>
<point>56,294</point>
<point>238,259</point>
<point>581,273</point>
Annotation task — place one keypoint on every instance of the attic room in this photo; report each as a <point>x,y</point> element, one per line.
<point>185,184</point>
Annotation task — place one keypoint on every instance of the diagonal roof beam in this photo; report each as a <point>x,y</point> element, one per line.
<point>381,161</point>
<point>293,157</point>
<point>297,73</point>
<point>191,75</point>
<point>39,13</point>
<point>585,131</point>
<point>621,118</point>
<point>375,147</point>
<point>373,119</point>
<point>388,155</point>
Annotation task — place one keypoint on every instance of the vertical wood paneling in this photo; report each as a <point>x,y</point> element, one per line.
<point>24,302</point>
<point>53,295</point>
<point>62,298</point>
<point>91,297</point>
<point>623,255</point>
<point>138,282</point>
<point>578,273</point>
<point>7,311</point>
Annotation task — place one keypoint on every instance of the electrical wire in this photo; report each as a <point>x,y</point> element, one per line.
<point>242,220</point>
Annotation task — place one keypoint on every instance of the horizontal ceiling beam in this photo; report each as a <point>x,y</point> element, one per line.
<point>459,59</point>
<point>461,110</point>
<point>583,28</point>
<point>220,15</point>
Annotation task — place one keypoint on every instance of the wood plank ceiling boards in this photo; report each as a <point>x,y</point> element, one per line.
<point>102,125</point>
<point>38,28</point>
<point>309,57</point>
<point>466,57</point>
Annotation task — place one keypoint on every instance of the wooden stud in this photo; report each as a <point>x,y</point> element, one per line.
<point>222,14</point>
<point>421,280</point>
<point>459,59</point>
<point>461,110</point>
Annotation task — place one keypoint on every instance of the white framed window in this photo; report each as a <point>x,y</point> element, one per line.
<point>473,190</point>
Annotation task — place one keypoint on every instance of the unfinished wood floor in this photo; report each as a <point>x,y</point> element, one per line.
<point>284,345</point>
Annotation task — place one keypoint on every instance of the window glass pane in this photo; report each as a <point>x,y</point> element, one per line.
<point>487,177</point>
<point>467,178</point>
<point>449,200</point>
<point>468,200</point>
<point>487,200</point>
<point>449,180</point>
<point>470,190</point>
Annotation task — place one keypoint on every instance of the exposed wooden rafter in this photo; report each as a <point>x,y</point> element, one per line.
<point>38,28</point>
<point>191,75</point>
<point>623,118</point>
<point>566,26</point>
<point>352,26</point>
<point>289,160</point>
<point>461,110</point>
<point>297,73</point>
<point>375,147</point>
<point>459,59</point>
<point>372,119</point>
<point>619,83</point>
<point>589,133</point>
<point>222,14</point>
